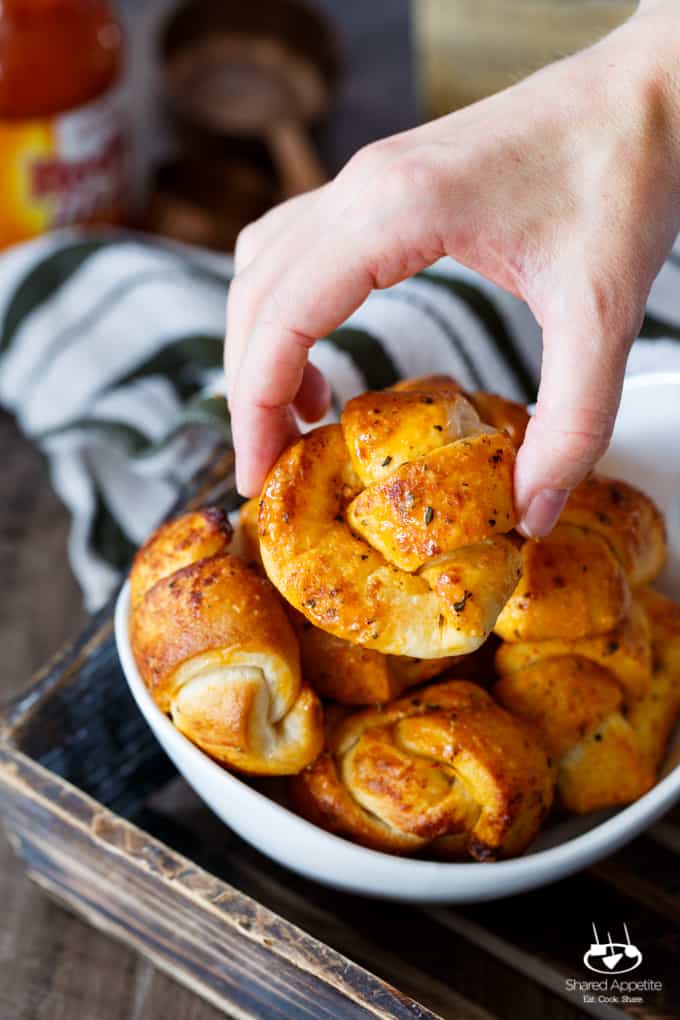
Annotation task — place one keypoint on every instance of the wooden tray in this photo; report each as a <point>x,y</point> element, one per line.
<point>90,805</point>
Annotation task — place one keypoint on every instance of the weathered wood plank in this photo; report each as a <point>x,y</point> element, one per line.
<point>638,886</point>
<point>208,934</point>
<point>649,873</point>
<point>536,940</point>
<point>33,530</point>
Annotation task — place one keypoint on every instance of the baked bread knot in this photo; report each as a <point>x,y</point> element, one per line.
<point>352,675</point>
<point>654,714</point>
<point>605,719</point>
<point>576,708</point>
<point>572,586</point>
<point>246,540</point>
<point>389,530</point>
<point>505,415</point>
<point>627,519</point>
<point>576,582</point>
<point>625,651</point>
<point>445,770</point>
<point>176,544</point>
<point>335,668</point>
<point>218,654</point>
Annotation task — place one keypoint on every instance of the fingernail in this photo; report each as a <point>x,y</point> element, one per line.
<point>244,482</point>
<point>244,486</point>
<point>542,513</point>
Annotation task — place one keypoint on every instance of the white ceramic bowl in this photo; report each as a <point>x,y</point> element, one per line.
<point>646,451</point>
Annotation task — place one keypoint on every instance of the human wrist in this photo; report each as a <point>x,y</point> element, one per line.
<point>659,20</point>
<point>645,6</point>
<point>651,43</point>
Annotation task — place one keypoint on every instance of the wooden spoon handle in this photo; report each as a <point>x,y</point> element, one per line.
<point>298,164</point>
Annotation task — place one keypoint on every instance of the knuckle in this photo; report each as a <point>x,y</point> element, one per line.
<point>235,288</point>
<point>611,306</point>
<point>412,173</point>
<point>277,316</point>
<point>235,298</point>
<point>582,449</point>
<point>232,350</point>
<point>241,291</point>
<point>395,262</point>
<point>246,244</point>
<point>371,159</point>
<point>578,445</point>
<point>273,310</point>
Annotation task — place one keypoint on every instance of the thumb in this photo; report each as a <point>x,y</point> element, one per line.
<point>579,394</point>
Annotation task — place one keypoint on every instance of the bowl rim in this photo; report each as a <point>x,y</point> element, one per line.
<point>640,380</point>
<point>411,878</point>
<point>542,865</point>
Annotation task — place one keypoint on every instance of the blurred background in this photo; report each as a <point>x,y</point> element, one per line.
<point>233,106</point>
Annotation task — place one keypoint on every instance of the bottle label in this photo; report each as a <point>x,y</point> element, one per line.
<point>62,170</point>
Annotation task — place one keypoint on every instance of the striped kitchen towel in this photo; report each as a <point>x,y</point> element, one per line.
<point>111,360</point>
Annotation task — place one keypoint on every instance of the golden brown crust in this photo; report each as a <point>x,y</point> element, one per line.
<point>217,652</point>
<point>625,651</point>
<point>352,675</point>
<point>384,430</point>
<point>627,519</point>
<point>505,415</point>
<point>436,382</point>
<point>176,544</point>
<point>664,619</point>
<point>562,698</point>
<point>351,575</point>
<point>341,671</point>
<point>213,605</point>
<point>604,706</point>
<point>653,716</point>
<point>445,770</point>
<point>407,672</point>
<point>605,769</point>
<point>575,708</point>
<point>335,668</point>
<point>473,583</point>
<point>416,513</point>
<point>571,587</point>
<point>246,542</point>
<point>502,414</point>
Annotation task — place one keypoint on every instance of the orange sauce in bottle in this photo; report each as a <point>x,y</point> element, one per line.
<point>63,137</point>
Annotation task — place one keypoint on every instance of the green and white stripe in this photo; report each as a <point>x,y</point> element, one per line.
<point>111,360</point>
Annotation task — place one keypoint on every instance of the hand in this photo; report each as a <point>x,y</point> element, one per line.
<point>564,189</point>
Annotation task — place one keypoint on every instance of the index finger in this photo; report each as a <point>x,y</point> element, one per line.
<point>381,237</point>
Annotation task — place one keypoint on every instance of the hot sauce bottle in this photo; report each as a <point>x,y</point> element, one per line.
<point>63,136</point>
